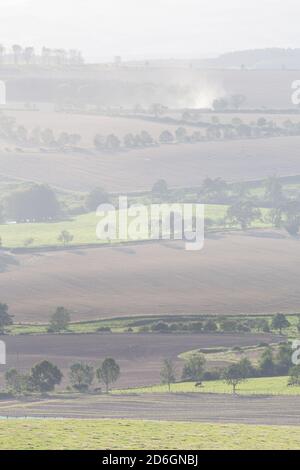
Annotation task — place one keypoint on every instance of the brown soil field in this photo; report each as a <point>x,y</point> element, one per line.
<point>209,408</point>
<point>139,355</point>
<point>255,272</point>
<point>180,165</point>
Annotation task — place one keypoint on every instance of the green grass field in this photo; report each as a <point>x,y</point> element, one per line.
<point>64,434</point>
<point>258,386</point>
<point>83,229</point>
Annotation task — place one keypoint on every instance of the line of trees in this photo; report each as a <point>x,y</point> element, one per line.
<point>61,318</point>
<point>45,376</point>
<point>28,55</point>
<point>278,323</point>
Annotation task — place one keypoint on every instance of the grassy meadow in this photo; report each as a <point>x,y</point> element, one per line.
<point>83,229</point>
<point>72,434</point>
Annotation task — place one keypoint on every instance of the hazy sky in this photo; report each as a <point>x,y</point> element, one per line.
<point>151,28</point>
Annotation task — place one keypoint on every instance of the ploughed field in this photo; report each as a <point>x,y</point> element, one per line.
<point>180,165</point>
<point>205,408</point>
<point>140,355</point>
<point>254,272</point>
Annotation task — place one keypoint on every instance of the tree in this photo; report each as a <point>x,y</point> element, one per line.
<point>81,376</point>
<point>160,188</point>
<point>146,138</point>
<point>5,318</point>
<point>237,100</point>
<point>263,325</point>
<point>45,376</point>
<point>292,226</point>
<point>47,137</point>
<point>99,142</point>
<point>284,358</point>
<point>17,51</point>
<point>291,210</point>
<point>194,368</point>
<point>214,189</point>
<point>112,143</point>
<point>273,191</point>
<point>210,326</point>
<point>65,237</point>
<point>74,139</point>
<point>279,322</point>
<point>59,320</point>
<point>108,372</point>
<point>228,325</point>
<point>243,213</point>
<point>275,217</point>
<point>246,367</point>
<point>35,203</point>
<point>168,373</point>
<point>166,137</point>
<point>28,54</point>
<point>234,375</point>
<point>294,378</point>
<point>16,382</point>
<point>181,134</point>
<point>220,104</point>
<point>129,141</point>
<point>96,197</point>
<point>266,363</point>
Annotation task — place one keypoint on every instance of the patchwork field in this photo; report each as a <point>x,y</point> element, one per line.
<point>256,272</point>
<point>128,434</point>
<point>180,165</point>
<point>140,355</point>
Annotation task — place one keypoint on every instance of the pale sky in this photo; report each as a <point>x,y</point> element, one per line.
<point>150,28</point>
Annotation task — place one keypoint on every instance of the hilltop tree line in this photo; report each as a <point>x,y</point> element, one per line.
<point>20,55</point>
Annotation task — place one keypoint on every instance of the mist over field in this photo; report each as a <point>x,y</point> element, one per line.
<point>149,225</point>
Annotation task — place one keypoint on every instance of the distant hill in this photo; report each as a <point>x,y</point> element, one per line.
<point>257,59</point>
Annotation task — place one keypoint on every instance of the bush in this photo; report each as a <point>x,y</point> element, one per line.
<point>194,368</point>
<point>81,376</point>
<point>210,326</point>
<point>197,326</point>
<point>60,320</point>
<point>211,375</point>
<point>160,327</point>
<point>228,325</point>
<point>294,379</point>
<point>104,329</point>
